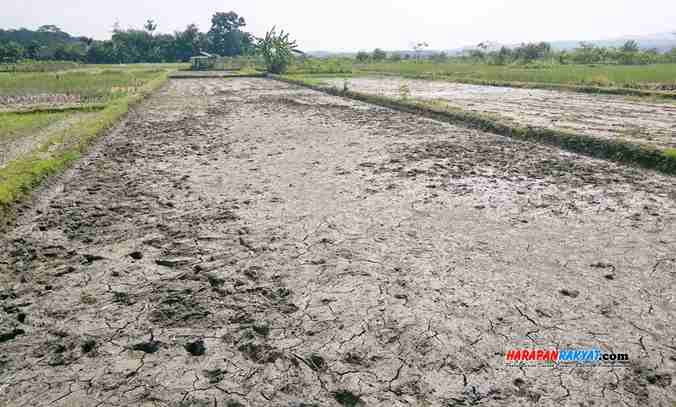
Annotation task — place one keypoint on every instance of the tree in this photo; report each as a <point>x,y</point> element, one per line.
<point>50,28</point>
<point>587,53</point>
<point>277,50</point>
<point>477,54</point>
<point>439,57</point>
<point>503,56</point>
<point>671,56</point>
<point>225,36</point>
<point>70,52</point>
<point>628,53</point>
<point>150,26</point>
<point>11,52</point>
<point>379,54</point>
<point>33,50</point>
<point>630,46</point>
<point>133,46</point>
<point>419,47</point>
<point>187,43</point>
<point>102,52</point>
<point>363,56</point>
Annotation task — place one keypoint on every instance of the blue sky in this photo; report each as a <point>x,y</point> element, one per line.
<point>364,25</point>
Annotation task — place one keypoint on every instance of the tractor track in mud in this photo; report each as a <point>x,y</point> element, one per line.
<point>245,242</point>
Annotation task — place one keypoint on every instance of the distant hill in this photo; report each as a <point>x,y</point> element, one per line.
<point>663,42</point>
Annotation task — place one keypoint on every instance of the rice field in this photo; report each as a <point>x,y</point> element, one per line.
<point>659,76</point>
<point>48,118</point>
<point>86,83</point>
<point>14,125</point>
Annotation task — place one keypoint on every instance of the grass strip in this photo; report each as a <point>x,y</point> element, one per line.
<point>95,107</point>
<point>19,177</point>
<point>615,150</point>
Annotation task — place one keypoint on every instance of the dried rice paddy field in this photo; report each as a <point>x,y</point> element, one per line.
<point>651,123</point>
<point>245,242</point>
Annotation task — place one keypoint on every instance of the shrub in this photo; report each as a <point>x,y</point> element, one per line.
<point>277,51</point>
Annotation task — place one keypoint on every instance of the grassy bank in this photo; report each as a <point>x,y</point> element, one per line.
<point>657,80</point>
<point>649,77</point>
<point>20,176</point>
<point>615,150</point>
<point>593,89</point>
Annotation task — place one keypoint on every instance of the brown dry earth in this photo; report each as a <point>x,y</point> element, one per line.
<point>249,243</point>
<point>602,116</point>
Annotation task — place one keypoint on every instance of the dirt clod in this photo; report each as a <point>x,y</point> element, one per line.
<point>89,345</point>
<point>380,278</point>
<point>136,255</point>
<point>569,293</point>
<point>346,398</point>
<point>147,347</point>
<point>8,336</point>
<point>196,348</point>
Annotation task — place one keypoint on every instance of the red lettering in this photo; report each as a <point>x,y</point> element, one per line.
<point>514,355</point>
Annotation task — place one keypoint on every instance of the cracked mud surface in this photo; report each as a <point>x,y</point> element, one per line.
<point>249,243</point>
<point>603,116</point>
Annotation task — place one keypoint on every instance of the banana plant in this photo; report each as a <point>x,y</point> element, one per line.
<point>277,50</point>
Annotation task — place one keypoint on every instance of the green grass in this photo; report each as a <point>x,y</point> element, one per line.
<point>655,77</point>
<point>39,66</point>
<point>670,152</point>
<point>323,66</point>
<point>88,83</point>
<point>13,125</point>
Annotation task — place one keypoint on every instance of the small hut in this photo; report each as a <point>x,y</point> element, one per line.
<point>203,62</point>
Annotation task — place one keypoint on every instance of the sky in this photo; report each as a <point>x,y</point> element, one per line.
<point>352,25</point>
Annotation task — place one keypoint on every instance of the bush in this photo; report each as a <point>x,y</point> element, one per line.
<point>363,56</point>
<point>379,55</point>
<point>277,51</point>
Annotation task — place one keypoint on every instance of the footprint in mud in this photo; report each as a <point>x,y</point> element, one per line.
<point>178,307</point>
<point>347,398</point>
<point>151,346</point>
<point>196,348</point>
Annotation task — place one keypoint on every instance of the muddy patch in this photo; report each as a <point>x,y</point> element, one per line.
<point>249,243</point>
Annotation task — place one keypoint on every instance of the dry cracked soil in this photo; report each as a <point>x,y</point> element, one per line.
<point>651,123</point>
<point>245,242</point>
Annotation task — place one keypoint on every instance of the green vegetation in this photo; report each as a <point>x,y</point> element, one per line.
<point>616,150</point>
<point>14,125</point>
<point>277,50</point>
<point>48,43</point>
<point>659,76</point>
<point>67,144</point>
<point>39,66</point>
<point>305,65</point>
<point>90,83</point>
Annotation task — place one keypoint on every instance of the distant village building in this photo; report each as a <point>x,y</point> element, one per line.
<point>204,62</point>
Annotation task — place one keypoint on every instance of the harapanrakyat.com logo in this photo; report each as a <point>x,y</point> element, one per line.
<point>554,357</point>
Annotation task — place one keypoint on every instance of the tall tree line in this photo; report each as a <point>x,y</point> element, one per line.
<point>226,37</point>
